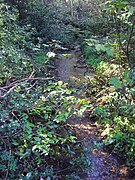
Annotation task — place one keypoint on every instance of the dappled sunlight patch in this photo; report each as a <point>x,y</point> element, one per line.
<point>66,55</point>
<point>53,102</point>
<point>60,102</point>
<point>108,69</point>
<point>83,127</point>
<point>51,54</point>
<point>40,131</point>
<point>112,99</point>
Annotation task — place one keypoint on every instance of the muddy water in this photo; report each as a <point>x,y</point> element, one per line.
<point>104,166</point>
<point>68,68</point>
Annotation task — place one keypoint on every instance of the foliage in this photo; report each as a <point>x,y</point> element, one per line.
<point>121,15</point>
<point>97,52</point>
<point>13,43</point>
<point>54,20</point>
<point>112,58</point>
<point>114,105</point>
<point>118,118</point>
<point>35,138</point>
<point>34,134</point>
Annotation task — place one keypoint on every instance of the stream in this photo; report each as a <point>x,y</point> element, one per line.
<point>71,68</point>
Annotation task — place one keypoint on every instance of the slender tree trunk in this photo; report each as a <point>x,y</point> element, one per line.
<point>71,8</point>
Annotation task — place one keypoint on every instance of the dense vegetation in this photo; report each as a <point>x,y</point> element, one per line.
<point>36,141</point>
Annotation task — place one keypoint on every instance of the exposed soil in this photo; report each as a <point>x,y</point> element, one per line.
<point>66,67</point>
<point>71,68</point>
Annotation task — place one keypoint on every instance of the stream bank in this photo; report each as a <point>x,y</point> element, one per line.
<point>71,68</point>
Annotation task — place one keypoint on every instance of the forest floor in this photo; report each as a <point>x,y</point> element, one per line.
<point>71,68</point>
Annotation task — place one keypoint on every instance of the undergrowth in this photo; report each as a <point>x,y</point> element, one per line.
<point>36,141</point>
<point>114,103</point>
<point>34,135</point>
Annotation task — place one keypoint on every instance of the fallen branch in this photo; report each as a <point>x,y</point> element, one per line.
<point>24,79</point>
<point>13,85</point>
<point>11,89</point>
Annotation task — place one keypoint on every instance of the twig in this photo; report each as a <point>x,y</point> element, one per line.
<point>8,91</point>
<point>68,168</point>
<point>31,86</point>
<point>17,83</point>
<point>25,79</point>
<point>15,116</point>
<point>129,40</point>
<point>31,74</point>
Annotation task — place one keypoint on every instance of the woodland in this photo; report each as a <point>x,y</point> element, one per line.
<point>40,107</point>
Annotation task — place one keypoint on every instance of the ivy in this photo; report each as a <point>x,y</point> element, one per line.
<point>34,109</point>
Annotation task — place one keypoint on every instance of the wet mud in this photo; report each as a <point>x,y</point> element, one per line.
<point>71,68</point>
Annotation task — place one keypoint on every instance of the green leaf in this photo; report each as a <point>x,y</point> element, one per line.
<point>3,167</point>
<point>37,139</point>
<point>15,143</point>
<point>68,92</point>
<point>29,125</point>
<point>115,82</point>
<point>100,47</point>
<point>109,52</point>
<point>46,116</point>
<point>29,175</point>
<point>13,163</point>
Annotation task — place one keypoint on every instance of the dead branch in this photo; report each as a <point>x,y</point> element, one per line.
<point>13,85</point>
